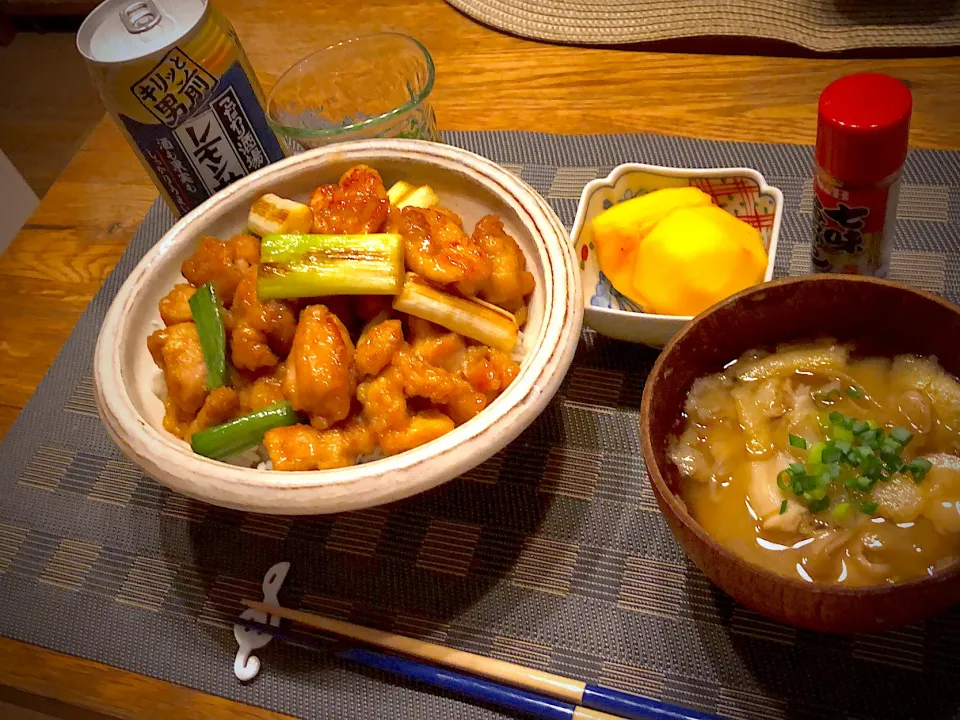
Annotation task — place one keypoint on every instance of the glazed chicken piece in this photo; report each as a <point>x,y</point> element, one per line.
<point>436,248</point>
<point>509,282</point>
<point>436,345</point>
<point>477,374</point>
<point>377,345</point>
<point>302,447</point>
<point>394,218</point>
<point>320,376</point>
<point>448,389</point>
<point>483,374</point>
<point>383,401</point>
<point>423,427</point>
<point>175,305</point>
<point>261,333</point>
<point>339,305</point>
<point>176,350</point>
<point>464,402</point>
<point>221,405</point>
<point>357,204</point>
<point>265,390</point>
<point>489,370</point>
<point>447,354</point>
<point>222,263</point>
<point>423,379</point>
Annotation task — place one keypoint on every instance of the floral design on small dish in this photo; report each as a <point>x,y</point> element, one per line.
<point>607,296</point>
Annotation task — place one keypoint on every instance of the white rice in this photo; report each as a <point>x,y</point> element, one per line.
<point>519,350</point>
<point>268,465</point>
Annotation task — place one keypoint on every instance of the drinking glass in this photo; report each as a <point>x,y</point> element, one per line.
<point>371,86</point>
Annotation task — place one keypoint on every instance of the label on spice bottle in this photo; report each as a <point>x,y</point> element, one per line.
<point>853,227</point>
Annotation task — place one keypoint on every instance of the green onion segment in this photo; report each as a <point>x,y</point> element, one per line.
<point>245,432</point>
<point>208,317</point>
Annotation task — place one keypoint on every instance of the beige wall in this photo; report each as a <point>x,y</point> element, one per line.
<point>17,201</point>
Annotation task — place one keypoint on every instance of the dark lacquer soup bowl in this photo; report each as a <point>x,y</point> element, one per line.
<point>879,318</point>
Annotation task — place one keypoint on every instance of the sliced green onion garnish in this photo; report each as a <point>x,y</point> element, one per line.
<point>830,454</point>
<point>815,456</point>
<point>819,504</point>
<point>854,392</point>
<point>890,446</point>
<point>784,480</point>
<point>901,435</point>
<point>842,433</point>
<point>208,317</point>
<point>245,432</point>
<point>891,461</point>
<point>863,447</point>
<point>840,511</point>
<point>918,467</point>
<point>872,438</point>
<point>868,506</point>
<point>783,507</point>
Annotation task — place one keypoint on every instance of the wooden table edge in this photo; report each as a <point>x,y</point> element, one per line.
<point>94,686</point>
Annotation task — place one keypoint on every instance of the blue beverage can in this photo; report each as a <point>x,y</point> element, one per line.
<point>182,91</point>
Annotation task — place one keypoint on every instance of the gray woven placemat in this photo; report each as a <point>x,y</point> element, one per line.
<point>552,554</point>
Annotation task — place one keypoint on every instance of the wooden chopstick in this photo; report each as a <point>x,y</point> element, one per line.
<point>507,697</point>
<point>589,698</point>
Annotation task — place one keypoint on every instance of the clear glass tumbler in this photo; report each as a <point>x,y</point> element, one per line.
<point>370,86</point>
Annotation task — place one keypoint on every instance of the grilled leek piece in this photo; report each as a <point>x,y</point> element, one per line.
<point>273,214</point>
<point>403,194</point>
<point>294,266</point>
<point>474,319</point>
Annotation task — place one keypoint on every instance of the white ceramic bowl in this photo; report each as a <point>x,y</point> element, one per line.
<point>126,378</point>
<point>739,191</point>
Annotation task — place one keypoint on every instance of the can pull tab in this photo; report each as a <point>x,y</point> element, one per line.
<point>140,16</point>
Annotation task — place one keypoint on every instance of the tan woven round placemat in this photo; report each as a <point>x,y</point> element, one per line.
<point>820,25</point>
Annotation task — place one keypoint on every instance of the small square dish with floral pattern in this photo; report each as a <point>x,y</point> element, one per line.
<point>740,191</point>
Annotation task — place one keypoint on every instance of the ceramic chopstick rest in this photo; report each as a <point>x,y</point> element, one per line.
<point>246,666</point>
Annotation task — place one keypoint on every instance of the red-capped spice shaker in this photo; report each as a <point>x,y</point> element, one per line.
<point>863,125</point>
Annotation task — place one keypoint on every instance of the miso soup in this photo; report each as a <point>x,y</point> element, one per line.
<point>818,464</point>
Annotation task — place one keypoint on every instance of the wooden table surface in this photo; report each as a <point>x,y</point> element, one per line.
<point>485,81</point>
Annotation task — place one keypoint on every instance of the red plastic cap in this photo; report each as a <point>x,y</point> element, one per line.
<point>863,127</point>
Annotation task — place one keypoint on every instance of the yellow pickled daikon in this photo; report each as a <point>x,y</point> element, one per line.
<point>675,253</point>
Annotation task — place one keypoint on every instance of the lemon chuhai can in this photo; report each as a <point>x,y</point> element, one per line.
<point>180,88</point>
